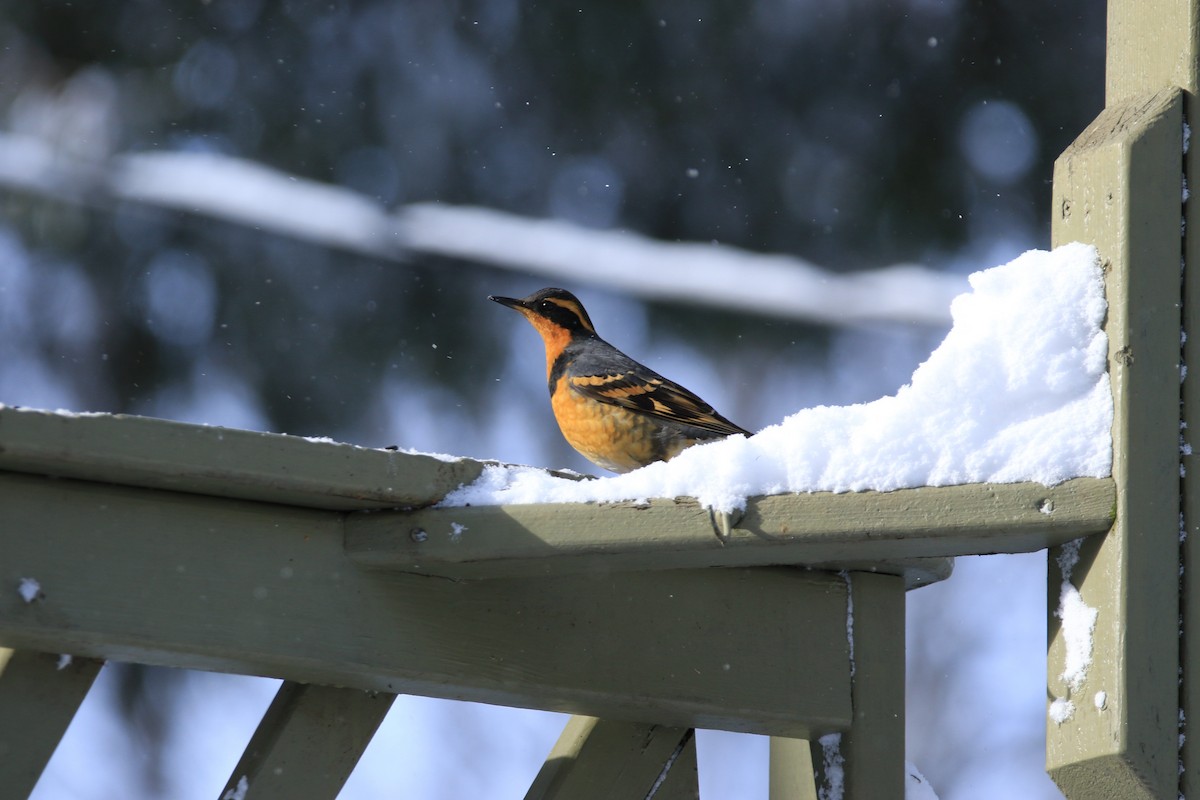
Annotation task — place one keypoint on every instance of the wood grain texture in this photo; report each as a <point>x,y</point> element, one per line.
<point>1152,45</point>
<point>191,581</point>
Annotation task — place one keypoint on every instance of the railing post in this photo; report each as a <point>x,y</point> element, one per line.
<point>1150,41</point>
<point>1118,187</point>
<point>1113,690</point>
<point>874,746</point>
<point>866,761</point>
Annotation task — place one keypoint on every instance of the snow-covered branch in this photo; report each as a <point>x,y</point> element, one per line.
<point>251,194</point>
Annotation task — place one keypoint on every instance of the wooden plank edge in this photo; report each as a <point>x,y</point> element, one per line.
<point>887,532</point>
<point>1189,655</point>
<point>223,462</point>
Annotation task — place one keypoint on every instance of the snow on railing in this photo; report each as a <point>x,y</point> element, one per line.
<point>1018,391</point>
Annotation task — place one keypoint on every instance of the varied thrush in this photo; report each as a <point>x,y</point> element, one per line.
<point>618,413</point>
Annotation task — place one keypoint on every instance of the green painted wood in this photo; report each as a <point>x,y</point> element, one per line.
<point>1189,656</point>
<point>1151,46</point>
<point>874,745</point>
<point>1153,43</point>
<point>207,583</point>
<point>225,462</point>
<point>893,532</point>
<point>1118,187</point>
<point>39,695</point>
<point>792,775</point>
<point>829,766</point>
<point>866,761</point>
<point>682,781</point>
<point>308,742</point>
<point>602,759</point>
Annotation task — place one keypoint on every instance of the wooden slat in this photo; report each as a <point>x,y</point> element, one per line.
<point>308,742</point>
<point>39,695</point>
<point>155,453</point>
<point>682,780</point>
<point>1118,187</point>
<point>792,773</point>
<point>886,530</point>
<point>192,581</point>
<point>598,759</point>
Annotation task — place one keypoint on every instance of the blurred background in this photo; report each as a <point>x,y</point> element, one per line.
<point>211,211</point>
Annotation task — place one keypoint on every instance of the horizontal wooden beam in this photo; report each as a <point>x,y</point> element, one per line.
<point>225,462</point>
<point>907,532</point>
<point>191,581</point>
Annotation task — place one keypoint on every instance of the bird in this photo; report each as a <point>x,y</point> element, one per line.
<point>619,414</point>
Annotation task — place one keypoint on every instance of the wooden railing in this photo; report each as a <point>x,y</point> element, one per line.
<point>162,543</point>
<point>173,544</point>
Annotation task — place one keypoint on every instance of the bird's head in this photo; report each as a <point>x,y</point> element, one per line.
<point>555,313</point>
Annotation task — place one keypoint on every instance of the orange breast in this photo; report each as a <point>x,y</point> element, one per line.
<point>613,437</point>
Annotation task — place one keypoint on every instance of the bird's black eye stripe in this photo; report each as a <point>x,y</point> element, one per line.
<point>564,315</point>
<point>562,310</point>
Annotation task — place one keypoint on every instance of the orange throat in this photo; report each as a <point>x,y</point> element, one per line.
<point>555,337</point>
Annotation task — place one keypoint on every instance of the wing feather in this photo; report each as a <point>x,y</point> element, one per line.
<point>654,395</point>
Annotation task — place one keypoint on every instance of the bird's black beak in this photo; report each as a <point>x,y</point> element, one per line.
<point>509,302</point>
